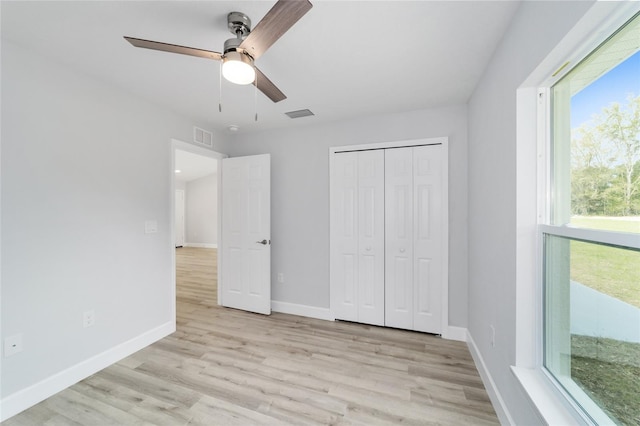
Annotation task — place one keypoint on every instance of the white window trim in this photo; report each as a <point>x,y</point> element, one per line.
<point>551,401</point>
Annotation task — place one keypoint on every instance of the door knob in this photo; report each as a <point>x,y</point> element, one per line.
<point>263,242</point>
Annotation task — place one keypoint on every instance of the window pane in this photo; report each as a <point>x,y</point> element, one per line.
<point>596,138</point>
<point>592,324</point>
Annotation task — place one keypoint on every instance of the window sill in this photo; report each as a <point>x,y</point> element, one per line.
<point>544,397</point>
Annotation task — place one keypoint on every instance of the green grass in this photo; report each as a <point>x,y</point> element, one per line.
<point>620,224</point>
<point>609,372</point>
<point>609,270</point>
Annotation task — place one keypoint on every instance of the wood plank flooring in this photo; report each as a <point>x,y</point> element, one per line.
<point>228,367</point>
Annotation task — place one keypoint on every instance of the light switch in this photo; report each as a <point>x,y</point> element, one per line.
<point>151,227</point>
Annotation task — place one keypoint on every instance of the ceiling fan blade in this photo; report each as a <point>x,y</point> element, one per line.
<point>282,16</point>
<point>267,87</point>
<point>174,48</point>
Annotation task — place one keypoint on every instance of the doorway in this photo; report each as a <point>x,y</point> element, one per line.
<point>196,197</point>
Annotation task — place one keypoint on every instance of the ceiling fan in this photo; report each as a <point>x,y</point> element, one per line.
<point>248,45</point>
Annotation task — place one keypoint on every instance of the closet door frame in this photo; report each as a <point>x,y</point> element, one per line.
<point>444,142</point>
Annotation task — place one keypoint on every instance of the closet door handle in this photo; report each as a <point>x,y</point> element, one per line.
<point>263,242</point>
<point>401,250</point>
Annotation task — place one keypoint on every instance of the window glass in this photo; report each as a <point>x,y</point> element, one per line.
<point>592,327</point>
<point>596,133</point>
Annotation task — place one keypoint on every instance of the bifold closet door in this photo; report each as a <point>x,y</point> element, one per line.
<point>413,238</point>
<point>399,238</point>
<point>357,237</point>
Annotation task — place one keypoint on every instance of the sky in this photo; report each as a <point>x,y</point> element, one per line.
<point>614,86</point>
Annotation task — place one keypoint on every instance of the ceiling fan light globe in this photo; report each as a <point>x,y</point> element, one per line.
<point>238,68</point>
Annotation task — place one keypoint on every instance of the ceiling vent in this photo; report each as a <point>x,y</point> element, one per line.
<point>202,137</point>
<point>299,113</point>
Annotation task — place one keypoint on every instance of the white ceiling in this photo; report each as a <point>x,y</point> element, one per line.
<point>343,59</point>
<point>193,166</point>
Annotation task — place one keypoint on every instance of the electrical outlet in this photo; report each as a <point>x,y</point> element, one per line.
<point>12,345</point>
<point>280,277</point>
<point>151,227</point>
<point>493,336</point>
<point>88,318</point>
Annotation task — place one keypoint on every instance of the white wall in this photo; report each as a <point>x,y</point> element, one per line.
<point>84,165</point>
<point>300,196</point>
<point>202,211</point>
<point>536,29</point>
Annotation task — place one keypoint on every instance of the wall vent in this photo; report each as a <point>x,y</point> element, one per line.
<point>202,137</point>
<point>299,113</point>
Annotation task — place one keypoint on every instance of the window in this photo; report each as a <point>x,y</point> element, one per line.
<point>591,238</point>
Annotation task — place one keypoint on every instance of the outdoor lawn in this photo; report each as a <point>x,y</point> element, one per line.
<point>611,271</point>
<point>608,370</point>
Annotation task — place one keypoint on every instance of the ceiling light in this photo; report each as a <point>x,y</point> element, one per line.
<point>233,128</point>
<point>238,68</point>
<point>178,171</point>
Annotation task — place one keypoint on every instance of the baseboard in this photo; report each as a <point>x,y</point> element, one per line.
<point>455,333</point>
<point>302,310</point>
<point>28,397</point>
<point>201,245</point>
<point>496,399</point>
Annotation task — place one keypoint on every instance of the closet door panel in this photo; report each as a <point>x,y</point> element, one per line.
<point>371,237</point>
<point>428,238</point>
<point>344,237</point>
<point>399,238</point>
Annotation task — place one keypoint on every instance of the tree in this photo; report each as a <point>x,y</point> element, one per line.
<point>621,126</point>
<point>605,163</point>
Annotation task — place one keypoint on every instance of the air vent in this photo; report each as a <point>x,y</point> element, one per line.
<point>299,113</point>
<point>202,137</point>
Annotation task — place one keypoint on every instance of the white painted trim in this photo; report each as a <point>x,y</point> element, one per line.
<point>594,235</point>
<point>302,310</point>
<point>446,329</point>
<point>455,333</point>
<point>201,245</point>
<point>492,390</point>
<point>184,210</point>
<point>28,397</point>
<point>392,144</point>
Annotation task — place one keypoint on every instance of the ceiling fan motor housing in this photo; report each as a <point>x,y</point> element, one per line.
<point>239,24</point>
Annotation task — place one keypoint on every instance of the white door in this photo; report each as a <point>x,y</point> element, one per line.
<point>413,232</point>
<point>399,238</point>
<point>357,237</point>
<point>428,249</point>
<point>246,233</point>
<point>344,236</point>
<point>371,237</point>
<point>179,228</point>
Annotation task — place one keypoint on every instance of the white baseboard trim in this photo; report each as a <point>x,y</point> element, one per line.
<point>496,399</point>
<point>452,332</point>
<point>302,310</point>
<point>28,397</point>
<point>201,245</point>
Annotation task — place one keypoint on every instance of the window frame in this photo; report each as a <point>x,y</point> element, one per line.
<point>533,125</point>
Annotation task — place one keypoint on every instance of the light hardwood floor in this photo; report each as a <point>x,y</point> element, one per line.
<point>228,367</point>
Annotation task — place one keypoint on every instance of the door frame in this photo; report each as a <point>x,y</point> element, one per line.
<point>182,223</point>
<point>177,144</point>
<point>447,332</point>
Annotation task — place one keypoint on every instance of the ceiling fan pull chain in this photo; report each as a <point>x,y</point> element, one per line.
<point>220,89</point>
<point>255,98</point>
